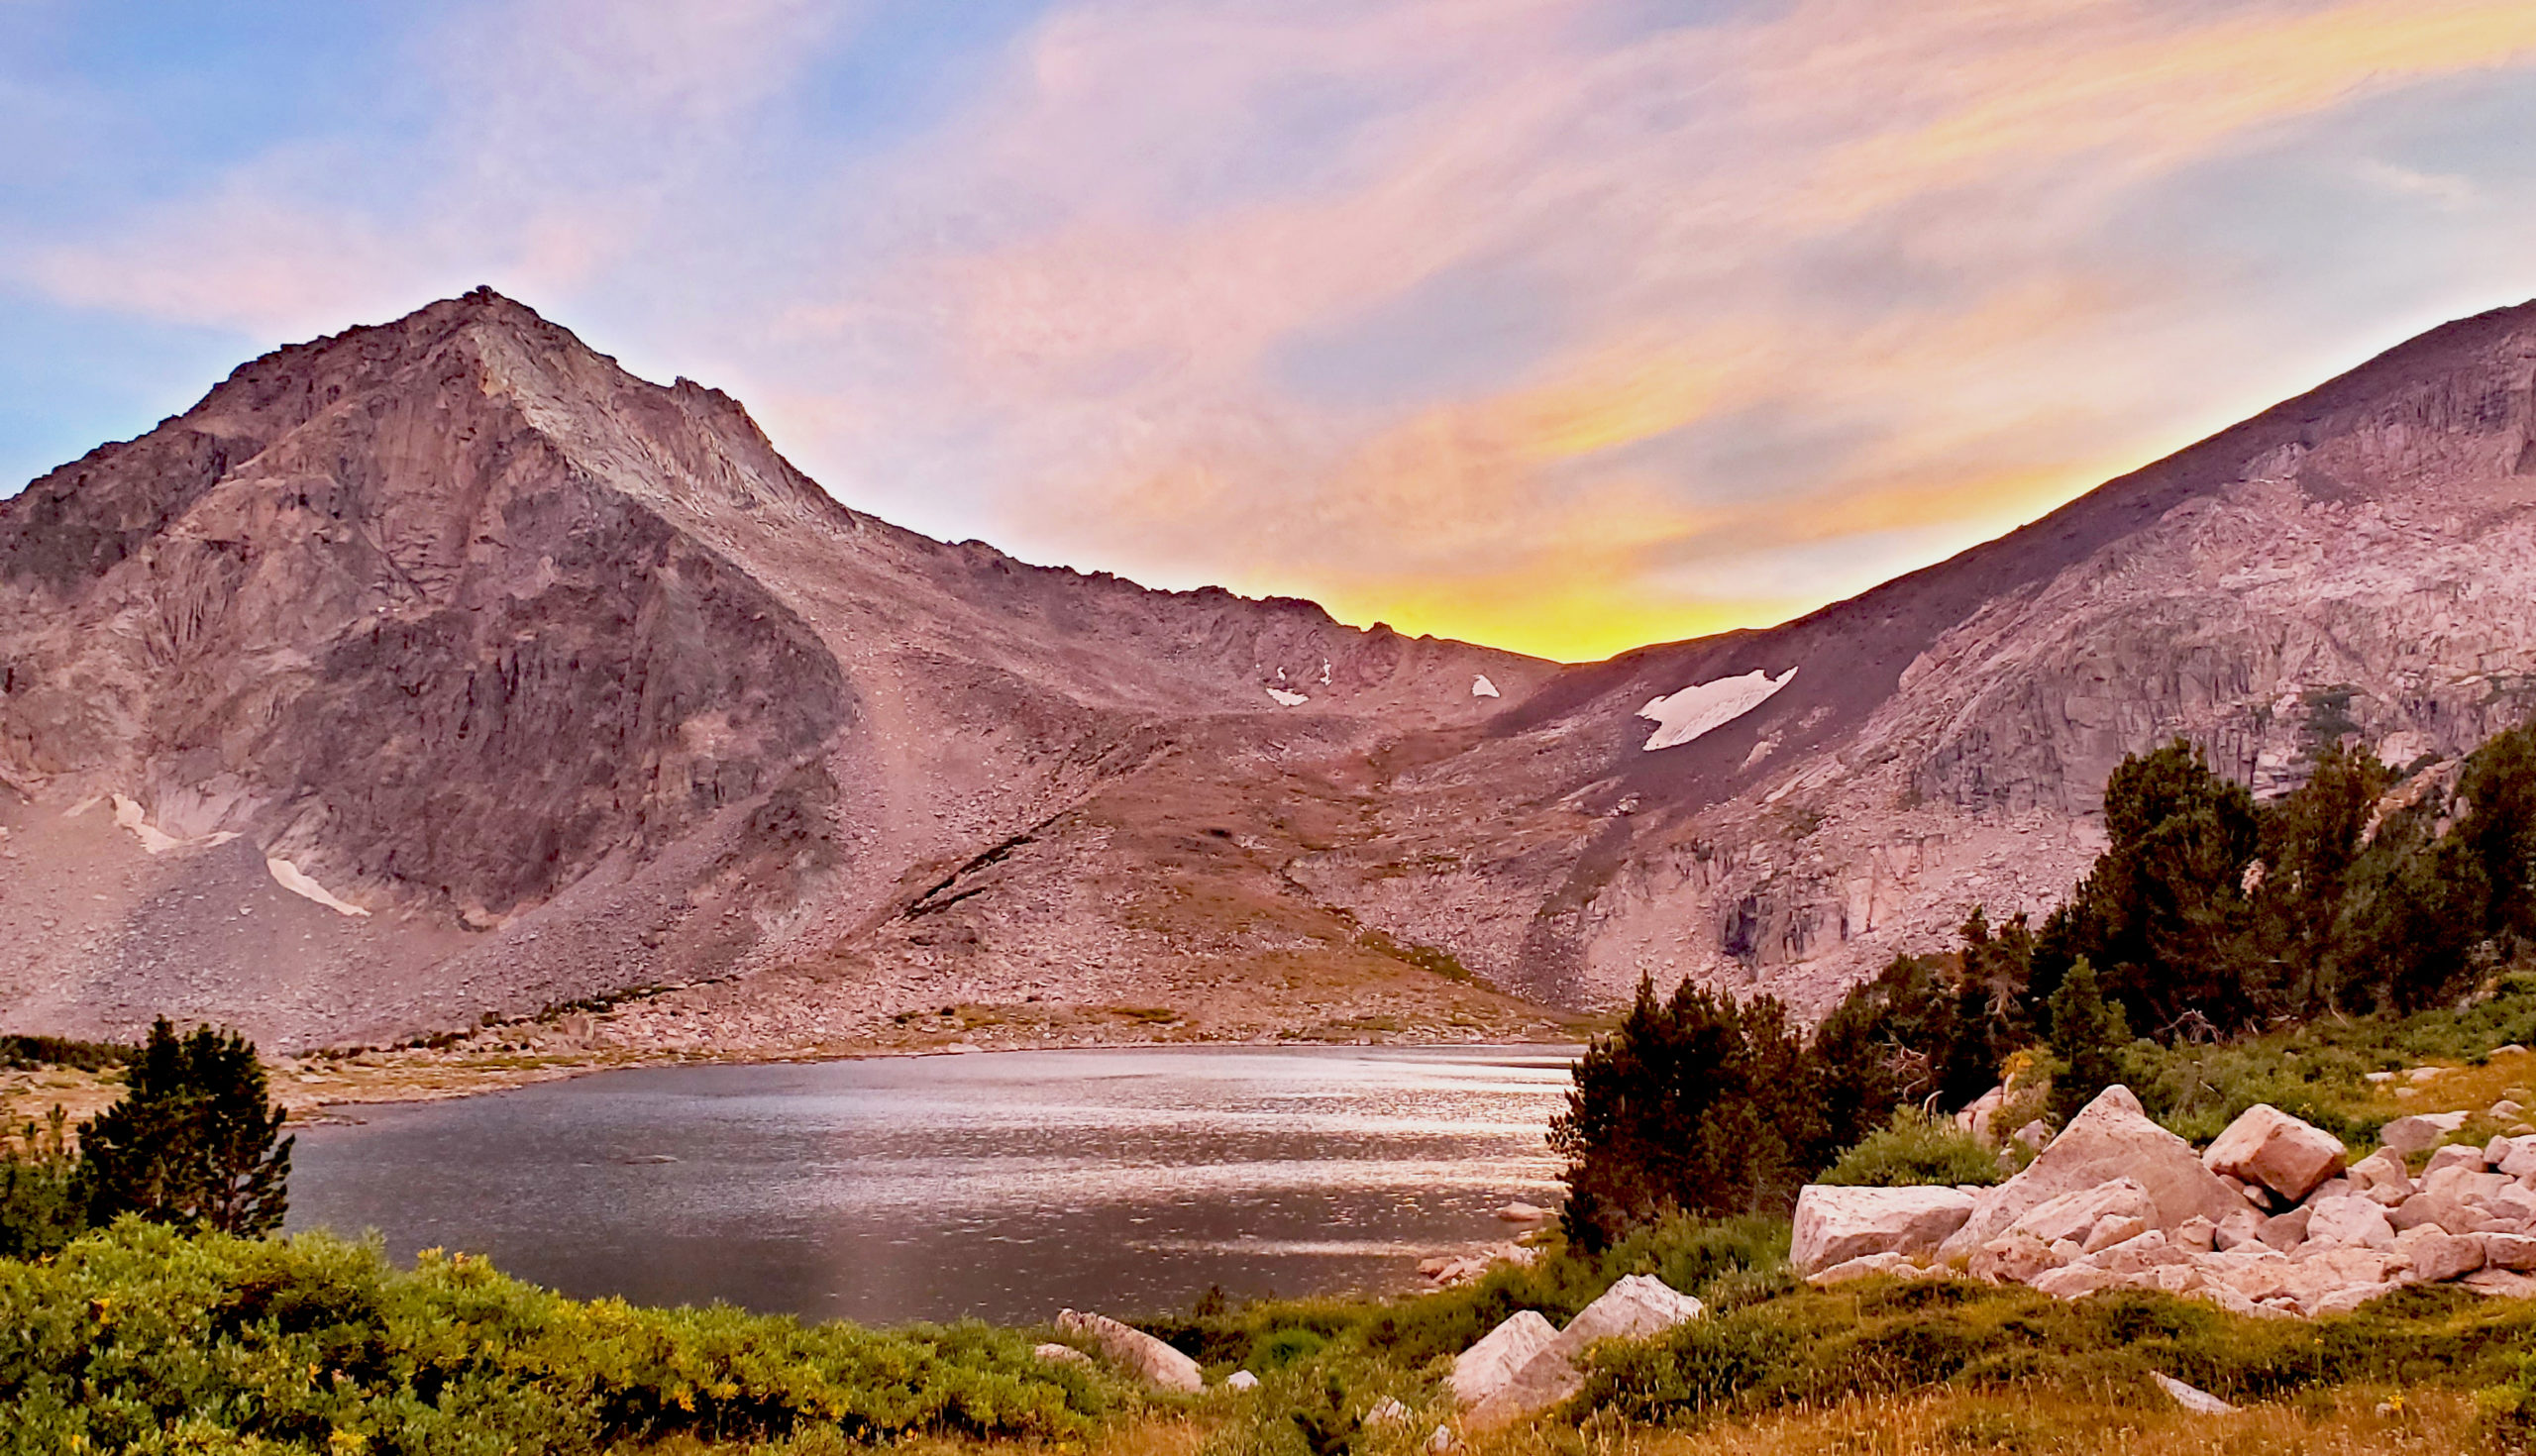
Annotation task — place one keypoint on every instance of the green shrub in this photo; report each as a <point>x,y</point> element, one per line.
<point>25,1052</point>
<point>1916,1148</point>
<point>142,1339</point>
<point>42,1206</point>
<point>1882,1337</point>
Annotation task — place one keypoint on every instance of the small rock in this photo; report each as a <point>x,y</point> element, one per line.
<point>1442,1440</point>
<point>2350,1220</point>
<point>2285,1154</point>
<point>1387,1411</point>
<point>2284,1231</point>
<point>2503,1284</point>
<point>2437,1256</point>
<point>2509,1251</point>
<point>2198,1401</point>
<point>1139,1353</point>
<point>1522,1212</point>
<point>2112,1230</point>
<point>1056,1354</point>
<point>2423,1073</point>
<point>1241,1380</point>
<point>2409,1135</point>
<point>2520,1160</point>
<point>2455,1155</point>
<point>2383,1172</point>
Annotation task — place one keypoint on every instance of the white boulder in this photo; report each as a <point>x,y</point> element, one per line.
<point>2111,1138</point>
<point>2285,1154</point>
<point>1139,1354</point>
<point>1485,1368</point>
<point>1633,1308</point>
<point>1241,1380</point>
<point>1834,1225</point>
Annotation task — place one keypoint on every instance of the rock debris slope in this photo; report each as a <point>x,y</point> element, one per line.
<point>442,668</point>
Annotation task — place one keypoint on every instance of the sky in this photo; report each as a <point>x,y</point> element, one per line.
<point>1562,327</point>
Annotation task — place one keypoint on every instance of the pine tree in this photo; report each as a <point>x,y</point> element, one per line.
<point>1697,1104</point>
<point>2089,1034</point>
<point>193,1142</point>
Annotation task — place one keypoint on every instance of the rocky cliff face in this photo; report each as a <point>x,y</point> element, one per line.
<point>442,668</point>
<point>2356,565</point>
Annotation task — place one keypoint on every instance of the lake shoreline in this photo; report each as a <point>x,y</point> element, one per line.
<point>894,1187</point>
<point>312,1088</point>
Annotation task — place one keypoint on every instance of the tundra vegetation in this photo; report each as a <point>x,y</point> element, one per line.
<point>2220,953</point>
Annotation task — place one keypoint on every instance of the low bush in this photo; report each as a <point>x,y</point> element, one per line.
<point>1916,1148</point>
<point>1883,1337</point>
<point>142,1339</point>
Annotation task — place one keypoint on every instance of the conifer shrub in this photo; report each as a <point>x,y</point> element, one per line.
<point>1915,1149</point>
<point>195,1141</point>
<point>1697,1104</point>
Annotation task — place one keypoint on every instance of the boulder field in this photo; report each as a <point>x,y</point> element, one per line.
<point>2270,1219</point>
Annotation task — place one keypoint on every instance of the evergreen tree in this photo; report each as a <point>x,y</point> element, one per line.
<point>193,1142</point>
<point>2164,914</point>
<point>2087,1035</point>
<point>1696,1104</point>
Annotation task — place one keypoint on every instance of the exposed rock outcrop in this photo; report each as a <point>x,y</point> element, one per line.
<point>2352,1239</point>
<point>576,686</point>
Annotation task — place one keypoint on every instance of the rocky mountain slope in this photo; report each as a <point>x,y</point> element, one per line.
<point>443,669</point>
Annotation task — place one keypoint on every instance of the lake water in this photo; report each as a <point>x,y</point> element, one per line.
<point>1001,1184</point>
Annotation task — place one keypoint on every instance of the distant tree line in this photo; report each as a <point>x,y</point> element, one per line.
<point>2207,916</point>
<point>196,1142</point>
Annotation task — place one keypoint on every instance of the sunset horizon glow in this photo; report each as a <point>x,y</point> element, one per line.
<point>1559,327</point>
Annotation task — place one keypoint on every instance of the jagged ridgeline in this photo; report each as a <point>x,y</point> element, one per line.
<point>441,668</point>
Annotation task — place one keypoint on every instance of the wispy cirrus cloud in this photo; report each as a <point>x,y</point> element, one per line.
<point>1563,324</point>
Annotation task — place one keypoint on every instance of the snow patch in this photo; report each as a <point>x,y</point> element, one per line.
<point>289,876</point>
<point>1290,699</point>
<point>1682,716</point>
<point>154,840</point>
<point>1480,686</point>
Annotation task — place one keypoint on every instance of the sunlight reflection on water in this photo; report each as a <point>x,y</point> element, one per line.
<point>1001,1184</point>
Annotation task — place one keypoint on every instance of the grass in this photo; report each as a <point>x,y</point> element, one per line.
<point>1947,1422</point>
<point>2319,1071</point>
<point>1818,1347</point>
